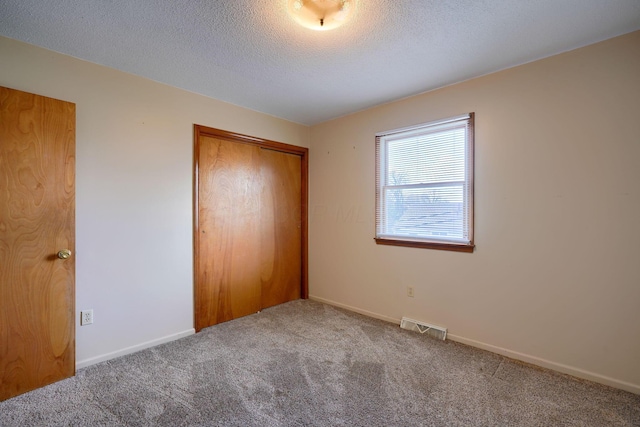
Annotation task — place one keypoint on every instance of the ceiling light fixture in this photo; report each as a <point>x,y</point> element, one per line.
<point>321,15</point>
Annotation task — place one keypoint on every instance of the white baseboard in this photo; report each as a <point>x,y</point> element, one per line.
<point>128,350</point>
<point>355,309</point>
<point>565,369</point>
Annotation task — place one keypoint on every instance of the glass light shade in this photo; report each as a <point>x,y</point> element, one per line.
<point>321,15</point>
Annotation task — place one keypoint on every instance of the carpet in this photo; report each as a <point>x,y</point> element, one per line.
<point>309,364</point>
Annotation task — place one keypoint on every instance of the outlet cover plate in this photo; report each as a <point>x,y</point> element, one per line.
<point>86,317</point>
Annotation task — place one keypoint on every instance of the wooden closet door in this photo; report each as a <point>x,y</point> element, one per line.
<point>37,220</point>
<point>229,189</point>
<point>280,234</point>
<point>250,228</point>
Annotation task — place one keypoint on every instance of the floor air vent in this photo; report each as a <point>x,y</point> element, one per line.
<point>424,328</point>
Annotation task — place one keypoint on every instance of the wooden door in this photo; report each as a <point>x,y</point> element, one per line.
<point>250,233</point>
<point>229,208</point>
<point>280,233</point>
<point>37,220</point>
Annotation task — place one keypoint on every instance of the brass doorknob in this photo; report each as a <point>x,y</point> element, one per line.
<point>64,254</point>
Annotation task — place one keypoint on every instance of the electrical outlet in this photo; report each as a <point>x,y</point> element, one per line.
<point>86,317</point>
<point>410,291</point>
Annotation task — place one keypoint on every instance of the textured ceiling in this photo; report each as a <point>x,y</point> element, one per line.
<point>251,53</point>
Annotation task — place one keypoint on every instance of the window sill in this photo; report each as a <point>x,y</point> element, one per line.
<point>427,245</point>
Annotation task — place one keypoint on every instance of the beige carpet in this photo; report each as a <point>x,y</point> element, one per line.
<point>309,364</point>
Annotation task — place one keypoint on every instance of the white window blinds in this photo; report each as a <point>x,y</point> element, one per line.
<point>424,183</point>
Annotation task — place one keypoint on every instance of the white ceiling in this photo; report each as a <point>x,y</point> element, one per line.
<point>251,53</point>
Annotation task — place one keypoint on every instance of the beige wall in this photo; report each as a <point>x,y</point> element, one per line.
<point>555,278</point>
<point>134,192</point>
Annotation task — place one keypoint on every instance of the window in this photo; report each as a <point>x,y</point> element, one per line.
<point>424,185</point>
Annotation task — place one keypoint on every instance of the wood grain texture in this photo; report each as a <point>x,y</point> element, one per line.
<point>229,259</point>
<point>280,231</point>
<point>37,219</point>
<point>271,187</point>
